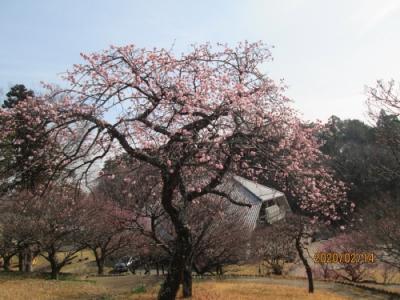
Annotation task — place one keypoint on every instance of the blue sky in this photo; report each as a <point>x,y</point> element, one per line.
<point>327,51</point>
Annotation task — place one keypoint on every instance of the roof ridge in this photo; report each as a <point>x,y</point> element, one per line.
<point>257,189</point>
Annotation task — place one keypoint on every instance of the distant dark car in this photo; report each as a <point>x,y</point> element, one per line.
<point>120,268</point>
<point>123,265</point>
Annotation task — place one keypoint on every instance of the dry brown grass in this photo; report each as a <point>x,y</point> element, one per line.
<point>245,269</point>
<point>84,263</point>
<point>377,275</point>
<point>243,291</point>
<point>40,289</point>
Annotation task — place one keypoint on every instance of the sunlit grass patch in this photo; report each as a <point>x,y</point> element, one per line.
<point>49,290</point>
<point>134,288</point>
<point>244,291</point>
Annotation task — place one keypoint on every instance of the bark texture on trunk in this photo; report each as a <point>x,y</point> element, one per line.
<point>25,258</point>
<point>99,261</point>
<point>219,270</point>
<point>55,272</point>
<point>100,267</point>
<point>178,272</point>
<point>21,262</point>
<point>55,266</point>
<point>300,251</point>
<point>187,278</point>
<point>180,267</point>
<point>7,263</point>
<point>28,261</point>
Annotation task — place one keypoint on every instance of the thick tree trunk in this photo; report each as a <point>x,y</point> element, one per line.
<point>28,261</point>
<point>180,269</point>
<point>306,265</point>
<point>100,266</point>
<point>21,260</point>
<point>187,278</point>
<point>170,287</point>
<point>55,267</point>
<point>99,261</point>
<point>55,272</point>
<point>25,258</point>
<point>7,263</point>
<point>220,271</point>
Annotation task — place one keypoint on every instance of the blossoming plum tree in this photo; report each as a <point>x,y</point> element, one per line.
<point>196,118</point>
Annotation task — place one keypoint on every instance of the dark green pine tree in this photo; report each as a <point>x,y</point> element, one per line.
<point>16,94</point>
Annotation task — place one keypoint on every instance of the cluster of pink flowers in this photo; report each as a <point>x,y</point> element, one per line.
<point>205,112</point>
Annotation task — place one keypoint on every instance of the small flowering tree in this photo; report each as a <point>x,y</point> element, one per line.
<point>220,236</point>
<point>104,229</point>
<point>274,246</point>
<point>194,118</point>
<point>355,270</point>
<point>8,246</point>
<point>378,229</point>
<point>18,230</point>
<point>56,220</point>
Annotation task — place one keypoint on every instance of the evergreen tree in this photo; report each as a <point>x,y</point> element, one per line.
<point>16,94</point>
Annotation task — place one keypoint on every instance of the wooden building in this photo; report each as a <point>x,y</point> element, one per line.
<point>267,204</point>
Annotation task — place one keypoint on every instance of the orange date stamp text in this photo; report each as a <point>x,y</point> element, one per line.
<point>344,257</point>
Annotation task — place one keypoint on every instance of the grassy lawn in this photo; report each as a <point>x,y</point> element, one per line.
<point>84,263</point>
<point>80,284</point>
<point>41,289</point>
<point>136,287</point>
<point>243,291</point>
